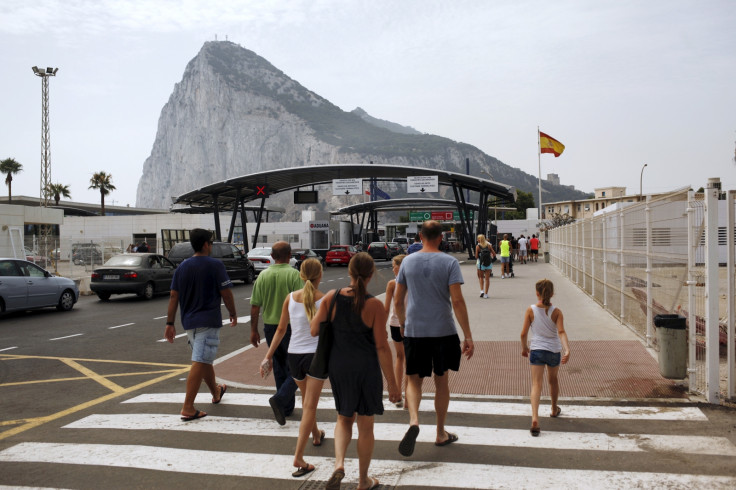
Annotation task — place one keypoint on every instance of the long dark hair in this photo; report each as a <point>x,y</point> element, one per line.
<point>361,268</point>
<point>546,289</point>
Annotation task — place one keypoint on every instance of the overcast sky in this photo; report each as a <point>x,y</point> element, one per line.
<point>620,83</point>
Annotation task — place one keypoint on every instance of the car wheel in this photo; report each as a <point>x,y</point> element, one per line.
<point>66,301</point>
<point>148,291</point>
<point>103,296</point>
<point>250,276</point>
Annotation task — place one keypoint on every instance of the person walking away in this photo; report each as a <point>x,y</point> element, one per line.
<point>269,292</point>
<point>395,326</point>
<point>416,246</point>
<point>534,248</point>
<point>548,338</point>
<point>505,256</point>
<point>359,354</point>
<point>523,244</point>
<point>298,310</point>
<point>485,253</point>
<point>428,291</point>
<point>199,285</point>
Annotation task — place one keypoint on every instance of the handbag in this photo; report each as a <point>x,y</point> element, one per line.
<point>321,359</point>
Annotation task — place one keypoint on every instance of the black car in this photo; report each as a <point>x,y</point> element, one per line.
<point>238,267</point>
<point>143,274</point>
<point>380,250</point>
<point>302,254</point>
<point>395,249</point>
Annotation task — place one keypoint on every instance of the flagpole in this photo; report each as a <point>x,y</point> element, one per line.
<point>539,161</point>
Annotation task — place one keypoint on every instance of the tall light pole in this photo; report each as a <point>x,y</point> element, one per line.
<point>45,141</point>
<point>641,176</point>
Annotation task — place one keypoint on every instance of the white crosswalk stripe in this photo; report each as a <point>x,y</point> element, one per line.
<point>486,434</point>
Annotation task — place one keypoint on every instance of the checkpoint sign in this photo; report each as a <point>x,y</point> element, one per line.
<point>422,183</point>
<point>347,187</point>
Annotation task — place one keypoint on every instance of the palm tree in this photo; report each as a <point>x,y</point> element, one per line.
<point>103,182</point>
<point>10,167</point>
<point>58,190</point>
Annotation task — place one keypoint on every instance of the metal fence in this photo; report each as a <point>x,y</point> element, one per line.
<point>657,257</point>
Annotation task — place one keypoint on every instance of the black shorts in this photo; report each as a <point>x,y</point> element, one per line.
<point>299,365</point>
<point>534,251</point>
<point>425,355</point>
<point>396,334</point>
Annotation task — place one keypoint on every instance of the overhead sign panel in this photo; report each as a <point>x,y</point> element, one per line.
<point>437,215</point>
<point>347,187</point>
<point>422,183</point>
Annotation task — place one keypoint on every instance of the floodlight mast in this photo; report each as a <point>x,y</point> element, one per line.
<point>45,140</point>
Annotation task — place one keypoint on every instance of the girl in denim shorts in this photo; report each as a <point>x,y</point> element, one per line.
<point>548,339</point>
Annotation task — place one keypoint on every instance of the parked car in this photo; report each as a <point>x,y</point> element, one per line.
<point>395,249</point>
<point>261,258</point>
<point>24,286</point>
<point>340,254</point>
<point>380,250</point>
<point>238,267</point>
<point>86,254</point>
<point>33,256</point>
<point>302,254</point>
<point>143,274</point>
<point>403,242</point>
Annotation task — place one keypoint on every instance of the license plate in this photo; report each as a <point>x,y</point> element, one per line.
<point>109,277</point>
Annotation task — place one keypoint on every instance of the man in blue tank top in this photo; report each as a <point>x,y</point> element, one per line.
<point>427,293</point>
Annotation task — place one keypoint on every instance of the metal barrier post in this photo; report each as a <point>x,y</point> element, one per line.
<point>622,265</point>
<point>692,241</point>
<point>648,221</point>
<point>712,190</point>
<point>730,338</point>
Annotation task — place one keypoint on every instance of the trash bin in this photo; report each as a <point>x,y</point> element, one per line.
<point>546,257</point>
<point>672,340</point>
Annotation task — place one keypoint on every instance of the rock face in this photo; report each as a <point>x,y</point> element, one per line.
<point>233,113</point>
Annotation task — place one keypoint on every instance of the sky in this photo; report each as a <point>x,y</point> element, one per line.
<point>620,83</point>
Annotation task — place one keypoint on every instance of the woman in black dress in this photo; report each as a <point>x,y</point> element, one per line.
<point>359,353</point>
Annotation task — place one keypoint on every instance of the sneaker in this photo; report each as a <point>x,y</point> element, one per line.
<point>485,296</point>
<point>278,411</point>
<point>481,291</point>
<point>503,276</point>
<point>481,295</point>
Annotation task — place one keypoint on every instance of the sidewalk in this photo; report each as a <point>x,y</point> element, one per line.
<point>607,362</point>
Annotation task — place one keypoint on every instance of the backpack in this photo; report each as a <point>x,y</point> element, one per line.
<point>485,257</point>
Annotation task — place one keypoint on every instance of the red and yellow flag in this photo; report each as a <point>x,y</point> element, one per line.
<point>548,144</point>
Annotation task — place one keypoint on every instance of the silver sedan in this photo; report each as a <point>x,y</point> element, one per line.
<point>25,286</point>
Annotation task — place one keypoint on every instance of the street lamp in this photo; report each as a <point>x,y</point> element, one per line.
<point>641,176</point>
<point>45,141</point>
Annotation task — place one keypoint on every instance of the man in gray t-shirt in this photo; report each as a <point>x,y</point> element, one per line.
<point>427,293</point>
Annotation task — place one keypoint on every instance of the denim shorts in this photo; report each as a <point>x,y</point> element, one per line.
<point>505,259</point>
<point>544,357</point>
<point>204,342</point>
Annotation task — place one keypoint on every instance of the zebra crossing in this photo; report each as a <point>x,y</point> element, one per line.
<point>494,450</point>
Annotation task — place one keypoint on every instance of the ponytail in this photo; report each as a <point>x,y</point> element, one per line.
<point>546,290</point>
<point>360,268</point>
<point>311,270</point>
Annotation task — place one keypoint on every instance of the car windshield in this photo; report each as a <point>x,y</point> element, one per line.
<point>125,260</point>
<point>338,248</point>
<point>260,251</point>
<point>377,244</point>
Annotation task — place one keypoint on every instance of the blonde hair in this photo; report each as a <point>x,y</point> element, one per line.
<point>360,268</point>
<point>397,260</point>
<point>310,271</point>
<point>482,240</point>
<point>545,289</point>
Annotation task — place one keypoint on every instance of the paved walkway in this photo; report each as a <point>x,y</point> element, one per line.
<point>608,361</point>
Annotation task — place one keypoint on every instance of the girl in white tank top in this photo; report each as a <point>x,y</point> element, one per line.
<point>548,338</point>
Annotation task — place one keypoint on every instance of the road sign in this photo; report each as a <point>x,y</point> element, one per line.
<point>422,183</point>
<point>347,187</point>
<point>436,215</point>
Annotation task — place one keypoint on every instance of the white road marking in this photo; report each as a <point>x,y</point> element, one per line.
<point>461,406</point>
<point>120,326</point>
<point>241,319</point>
<point>477,436</point>
<point>233,354</point>
<point>68,336</point>
<point>8,348</point>
<point>160,317</point>
<point>389,472</point>
<point>175,336</point>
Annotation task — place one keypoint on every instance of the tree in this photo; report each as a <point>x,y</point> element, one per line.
<point>555,220</point>
<point>58,190</point>
<point>103,182</point>
<point>10,167</point>
<point>524,201</point>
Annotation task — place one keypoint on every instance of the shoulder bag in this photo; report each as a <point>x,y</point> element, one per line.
<point>320,362</point>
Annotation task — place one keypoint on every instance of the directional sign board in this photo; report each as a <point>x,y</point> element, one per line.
<point>347,187</point>
<point>422,183</point>
<point>436,215</point>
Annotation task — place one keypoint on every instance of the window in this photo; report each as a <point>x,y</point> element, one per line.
<point>603,194</point>
<point>7,269</point>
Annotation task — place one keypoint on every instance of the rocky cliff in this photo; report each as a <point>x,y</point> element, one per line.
<point>233,113</point>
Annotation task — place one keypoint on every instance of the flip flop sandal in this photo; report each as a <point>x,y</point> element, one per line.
<point>223,389</point>
<point>406,446</point>
<point>450,439</point>
<point>197,415</point>
<point>535,430</point>
<point>557,412</point>
<point>303,470</point>
<point>321,439</point>
<point>334,482</point>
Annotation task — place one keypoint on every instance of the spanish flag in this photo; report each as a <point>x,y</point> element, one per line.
<point>548,144</point>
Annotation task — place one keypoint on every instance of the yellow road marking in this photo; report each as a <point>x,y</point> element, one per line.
<point>82,378</point>
<point>82,406</point>
<point>93,375</point>
<point>18,356</point>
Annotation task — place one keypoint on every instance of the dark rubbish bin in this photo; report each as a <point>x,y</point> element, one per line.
<point>672,340</point>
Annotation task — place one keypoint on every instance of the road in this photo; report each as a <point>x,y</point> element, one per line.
<point>90,399</point>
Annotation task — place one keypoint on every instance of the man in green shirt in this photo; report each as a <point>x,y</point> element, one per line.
<point>269,292</point>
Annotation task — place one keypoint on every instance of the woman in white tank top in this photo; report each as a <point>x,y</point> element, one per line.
<point>298,310</point>
<point>548,339</point>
